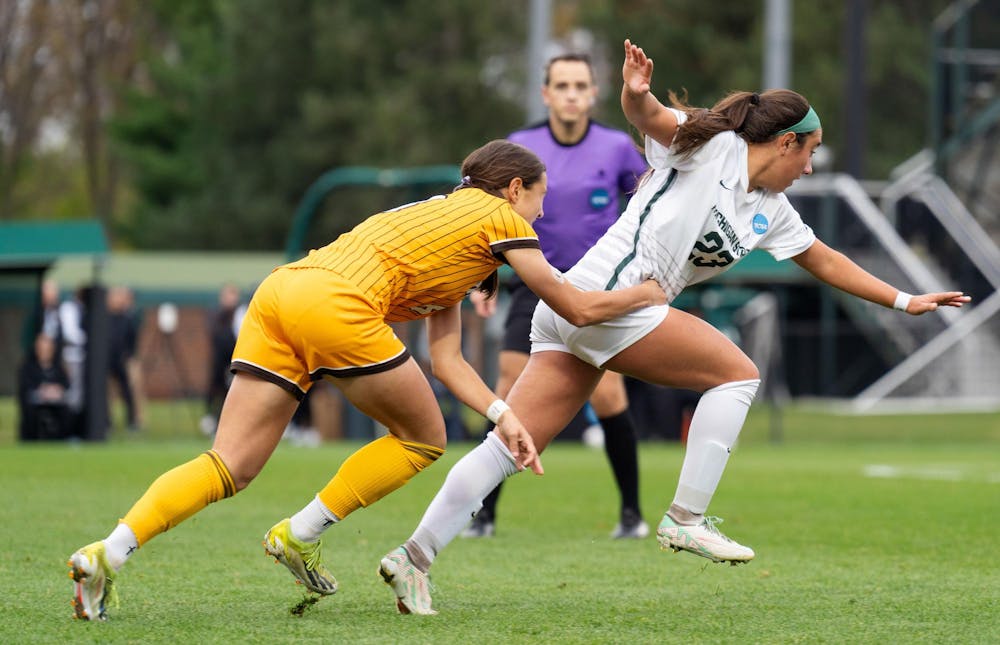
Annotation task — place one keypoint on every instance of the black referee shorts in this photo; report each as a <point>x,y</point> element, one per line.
<point>517,328</point>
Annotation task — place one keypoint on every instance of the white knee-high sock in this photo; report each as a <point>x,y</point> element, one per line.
<point>715,425</point>
<point>461,495</point>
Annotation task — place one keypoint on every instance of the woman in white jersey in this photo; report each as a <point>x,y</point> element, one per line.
<point>714,193</point>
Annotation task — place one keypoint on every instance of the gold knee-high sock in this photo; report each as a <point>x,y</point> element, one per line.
<point>178,494</point>
<point>374,471</point>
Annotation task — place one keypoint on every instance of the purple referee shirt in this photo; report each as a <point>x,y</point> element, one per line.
<point>585,182</point>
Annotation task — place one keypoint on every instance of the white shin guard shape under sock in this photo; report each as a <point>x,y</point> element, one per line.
<point>461,496</point>
<point>716,424</point>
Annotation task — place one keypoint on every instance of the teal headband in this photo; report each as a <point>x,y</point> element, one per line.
<point>809,123</point>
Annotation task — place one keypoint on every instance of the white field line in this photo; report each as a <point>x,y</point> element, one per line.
<point>937,473</point>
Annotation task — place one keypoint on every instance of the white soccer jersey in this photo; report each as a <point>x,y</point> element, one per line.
<point>690,220</point>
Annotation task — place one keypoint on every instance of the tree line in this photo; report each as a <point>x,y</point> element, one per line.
<point>199,124</point>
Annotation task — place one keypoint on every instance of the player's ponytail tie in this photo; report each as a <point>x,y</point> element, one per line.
<point>466,181</point>
<point>752,101</point>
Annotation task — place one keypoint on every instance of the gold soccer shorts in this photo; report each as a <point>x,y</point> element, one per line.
<point>306,323</point>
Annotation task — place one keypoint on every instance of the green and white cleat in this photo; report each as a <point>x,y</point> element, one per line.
<point>301,558</point>
<point>702,539</point>
<point>93,582</point>
<point>411,585</point>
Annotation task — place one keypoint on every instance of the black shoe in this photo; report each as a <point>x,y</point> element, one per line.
<point>631,526</point>
<point>481,526</point>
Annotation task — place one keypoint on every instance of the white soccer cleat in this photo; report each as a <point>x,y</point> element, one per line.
<point>411,585</point>
<point>702,539</point>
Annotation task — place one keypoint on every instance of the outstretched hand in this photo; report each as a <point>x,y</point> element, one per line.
<point>519,442</point>
<point>931,301</point>
<point>637,71</point>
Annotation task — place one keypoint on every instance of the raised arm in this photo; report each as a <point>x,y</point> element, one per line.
<point>837,270</point>
<point>444,339</point>
<point>580,308</point>
<point>641,108</point>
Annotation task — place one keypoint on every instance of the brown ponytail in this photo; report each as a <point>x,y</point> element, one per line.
<point>754,117</point>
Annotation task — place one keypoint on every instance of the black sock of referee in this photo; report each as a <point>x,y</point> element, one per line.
<point>621,446</point>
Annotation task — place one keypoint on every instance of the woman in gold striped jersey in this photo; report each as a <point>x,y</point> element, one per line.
<point>327,316</point>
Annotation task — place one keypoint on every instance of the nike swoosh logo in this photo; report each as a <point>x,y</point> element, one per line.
<point>724,186</point>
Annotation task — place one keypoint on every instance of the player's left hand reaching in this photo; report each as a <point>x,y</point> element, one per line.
<point>519,442</point>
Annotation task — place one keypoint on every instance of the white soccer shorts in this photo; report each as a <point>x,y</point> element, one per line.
<point>595,344</point>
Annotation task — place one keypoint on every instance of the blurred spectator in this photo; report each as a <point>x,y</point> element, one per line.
<point>133,364</point>
<point>123,324</point>
<point>224,328</point>
<point>48,319</point>
<point>74,350</point>
<point>42,386</point>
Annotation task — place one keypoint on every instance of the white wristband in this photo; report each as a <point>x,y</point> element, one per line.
<point>496,408</point>
<point>902,301</point>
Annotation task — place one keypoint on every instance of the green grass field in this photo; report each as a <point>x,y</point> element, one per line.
<point>867,530</point>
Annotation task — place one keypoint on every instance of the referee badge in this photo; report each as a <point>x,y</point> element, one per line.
<point>599,199</point>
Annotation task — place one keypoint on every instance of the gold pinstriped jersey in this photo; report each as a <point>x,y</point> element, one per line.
<point>423,257</point>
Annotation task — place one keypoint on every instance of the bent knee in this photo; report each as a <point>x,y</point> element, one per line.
<point>235,467</point>
<point>607,404</point>
<point>743,371</point>
<point>431,435</point>
<point>749,372</point>
<point>610,396</point>
<point>243,479</point>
